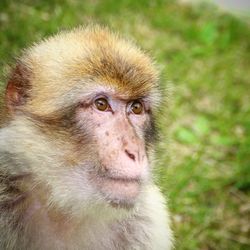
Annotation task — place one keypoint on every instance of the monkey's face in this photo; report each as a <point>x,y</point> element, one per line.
<point>88,96</point>
<point>117,126</point>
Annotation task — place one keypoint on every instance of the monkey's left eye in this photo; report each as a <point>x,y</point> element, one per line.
<point>102,104</point>
<point>137,107</point>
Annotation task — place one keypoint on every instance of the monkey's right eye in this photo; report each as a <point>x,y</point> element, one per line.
<point>101,104</point>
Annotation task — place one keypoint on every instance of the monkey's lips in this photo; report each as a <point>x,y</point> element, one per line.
<point>120,191</point>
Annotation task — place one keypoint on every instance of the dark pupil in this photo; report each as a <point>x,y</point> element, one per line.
<point>136,107</point>
<point>101,104</point>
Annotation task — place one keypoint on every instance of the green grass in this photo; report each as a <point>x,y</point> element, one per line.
<point>204,55</point>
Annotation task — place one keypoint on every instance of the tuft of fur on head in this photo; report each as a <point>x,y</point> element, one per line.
<point>62,65</point>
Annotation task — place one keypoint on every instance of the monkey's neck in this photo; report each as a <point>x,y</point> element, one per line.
<point>53,228</point>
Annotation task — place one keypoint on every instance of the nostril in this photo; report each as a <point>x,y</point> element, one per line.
<point>131,156</point>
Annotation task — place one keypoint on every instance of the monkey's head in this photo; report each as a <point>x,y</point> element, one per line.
<point>84,101</point>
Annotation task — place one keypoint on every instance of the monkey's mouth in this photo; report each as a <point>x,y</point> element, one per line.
<point>122,179</point>
<point>120,191</point>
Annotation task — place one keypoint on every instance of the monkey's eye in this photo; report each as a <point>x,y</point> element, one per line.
<point>136,107</point>
<point>101,104</point>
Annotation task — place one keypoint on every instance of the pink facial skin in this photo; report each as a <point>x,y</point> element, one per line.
<point>119,144</point>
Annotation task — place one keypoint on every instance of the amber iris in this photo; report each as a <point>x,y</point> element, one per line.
<point>101,104</point>
<point>137,107</point>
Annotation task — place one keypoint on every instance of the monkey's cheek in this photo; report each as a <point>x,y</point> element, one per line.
<point>120,190</point>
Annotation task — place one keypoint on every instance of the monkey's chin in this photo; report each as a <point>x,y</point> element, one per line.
<point>120,193</point>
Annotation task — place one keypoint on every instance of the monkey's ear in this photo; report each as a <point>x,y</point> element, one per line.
<point>17,88</point>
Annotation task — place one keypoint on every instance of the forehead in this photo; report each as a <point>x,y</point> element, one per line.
<point>93,90</point>
<point>131,74</point>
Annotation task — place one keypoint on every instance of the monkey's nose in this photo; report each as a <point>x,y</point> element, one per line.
<point>130,155</point>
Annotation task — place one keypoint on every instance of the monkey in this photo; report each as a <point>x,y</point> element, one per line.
<point>77,147</point>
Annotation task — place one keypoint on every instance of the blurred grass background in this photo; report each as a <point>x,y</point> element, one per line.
<point>204,56</point>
